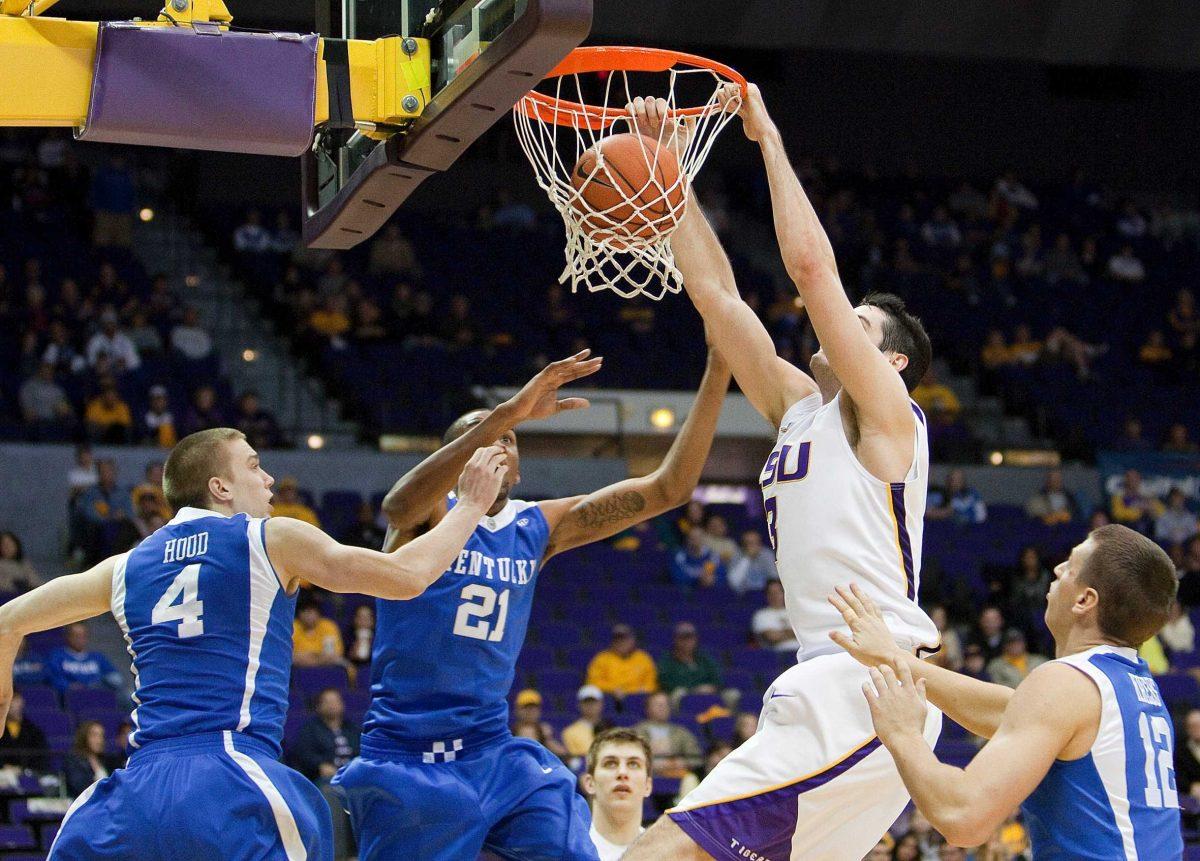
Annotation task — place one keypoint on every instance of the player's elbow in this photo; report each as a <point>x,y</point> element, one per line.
<point>409,585</point>
<point>963,828</point>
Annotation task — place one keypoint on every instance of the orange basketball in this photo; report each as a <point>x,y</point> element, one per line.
<point>628,186</point>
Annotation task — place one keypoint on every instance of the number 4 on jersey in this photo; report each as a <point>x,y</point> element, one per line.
<point>189,610</point>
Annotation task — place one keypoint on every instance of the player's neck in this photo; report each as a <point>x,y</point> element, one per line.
<point>1078,641</point>
<point>619,827</point>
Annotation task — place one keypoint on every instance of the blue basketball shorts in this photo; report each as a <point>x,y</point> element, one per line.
<point>512,797</point>
<point>206,796</point>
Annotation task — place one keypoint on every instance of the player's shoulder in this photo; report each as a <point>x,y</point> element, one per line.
<point>1055,688</point>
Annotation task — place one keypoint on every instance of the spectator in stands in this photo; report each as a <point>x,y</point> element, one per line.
<point>958,502</point>
<point>1178,441</point>
<point>23,744</point>
<point>251,237</point>
<point>316,640</point>
<point>284,237</point>
<point>989,632</point>
<point>147,514</point>
<point>259,425</point>
<point>327,741</point>
<point>144,334</point>
<point>907,848</point>
<point>392,254</point>
<point>691,518</point>
<point>361,636</point>
<point>1178,636</point>
<point>104,511</point>
<point>771,625</point>
<point>1176,524</point>
<point>696,565</point>
<point>716,538</point>
<point>1131,438</point>
<point>1155,353</point>
<point>1187,756</point>
<point>1061,263</point>
<point>76,666</point>
<point>369,327</point>
<point>974,662</point>
<point>1015,662</point>
<point>112,201</point>
<point>995,353</point>
<point>17,573</point>
<point>44,405</point>
<point>330,322</point>
<point>61,352</point>
<point>1027,593</point>
<point>29,668</point>
<point>204,412</point>
<point>158,424</point>
<point>687,669</point>
<point>1133,505</point>
<point>189,339</point>
<point>108,417</point>
<point>152,483</point>
<point>623,668</point>
<point>618,779</point>
<point>1126,267</point>
<point>287,502</point>
<point>940,231</point>
<point>935,397</point>
<point>1053,504</point>
<point>528,722</point>
<point>676,750</point>
<point>82,475</point>
<point>744,726</point>
<point>753,565</point>
<point>1064,346</point>
<point>579,735</point>
<point>1024,349</point>
<point>87,762</point>
<point>110,350</point>
<point>365,532</point>
<point>882,851</point>
<point>1010,191</point>
<point>950,655</point>
<point>1189,573</point>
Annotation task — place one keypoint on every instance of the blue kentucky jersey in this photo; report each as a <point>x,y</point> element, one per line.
<point>444,661</point>
<point>1120,801</point>
<point>209,628</point>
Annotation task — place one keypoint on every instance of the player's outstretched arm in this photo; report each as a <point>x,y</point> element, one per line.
<point>879,395</point>
<point>416,495</point>
<point>62,601</point>
<point>978,706</point>
<point>300,551</point>
<point>581,520</point>
<point>1054,713</point>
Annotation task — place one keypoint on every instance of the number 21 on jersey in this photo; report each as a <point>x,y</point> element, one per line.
<point>474,614</point>
<point>185,589</point>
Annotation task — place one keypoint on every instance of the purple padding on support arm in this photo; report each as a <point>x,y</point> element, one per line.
<point>203,89</point>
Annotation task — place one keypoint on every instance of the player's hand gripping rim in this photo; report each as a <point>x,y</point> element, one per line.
<point>481,478</point>
<point>538,399</point>
<point>649,116</point>
<point>869,642</point>
<point>897,703</point>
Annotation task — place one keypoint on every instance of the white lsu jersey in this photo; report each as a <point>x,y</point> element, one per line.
<point>832,523</point>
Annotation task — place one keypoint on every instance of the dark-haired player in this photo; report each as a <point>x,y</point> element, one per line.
<point>440,775</point>
<point>1084,744</point>
<point>844,492</point>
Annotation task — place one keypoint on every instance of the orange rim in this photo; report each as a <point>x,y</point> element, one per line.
<point>551,109</point>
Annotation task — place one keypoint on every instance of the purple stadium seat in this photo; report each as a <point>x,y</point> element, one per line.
<point>633,708</point>
<point>695,704</point>
<point>1178,689</point>
<point>552,681</point>
<point>557,636</point>
<point>538,655</point>
<point>51,722</point>
<point>718,728</point>
<point>89,700</point>
<point>48,832</point>
<point>761,661</point>
<point>312,680</point>
<point>17,837</point>
<point>39,698</point>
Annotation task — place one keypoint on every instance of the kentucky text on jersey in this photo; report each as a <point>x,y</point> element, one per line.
<point>1120,802</point>
<point>443,662</point>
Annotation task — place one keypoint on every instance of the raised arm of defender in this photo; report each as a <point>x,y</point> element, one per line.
<point>579,520</point>
<point>414,497</point>
<point>300,551</point>
<point>880,398</point>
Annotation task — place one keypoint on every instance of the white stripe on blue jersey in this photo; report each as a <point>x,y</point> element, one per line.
<point>1120,801</point>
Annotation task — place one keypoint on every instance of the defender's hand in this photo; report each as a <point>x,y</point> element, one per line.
<point>479,484</point>
<point>539,398</point>
<point>756,122</point>
<point>897,703</point>
<point>870,642</point>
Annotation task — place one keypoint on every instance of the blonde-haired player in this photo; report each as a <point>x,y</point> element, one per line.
<point>618,779</point>
<point>844,492</point>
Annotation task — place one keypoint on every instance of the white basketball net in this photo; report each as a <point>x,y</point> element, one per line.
<point>630,255</point>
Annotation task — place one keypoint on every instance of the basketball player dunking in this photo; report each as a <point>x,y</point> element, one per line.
<point>844,493</point>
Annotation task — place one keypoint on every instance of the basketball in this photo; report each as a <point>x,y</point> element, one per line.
<point>628,186</point>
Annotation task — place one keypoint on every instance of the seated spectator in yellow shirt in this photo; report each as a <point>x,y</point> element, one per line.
<point>623,668</point>
<point>935,397</point>
<point>107,416</point>
<point>316,641</point>
<point>287,503</point>
<point>1134,506</point>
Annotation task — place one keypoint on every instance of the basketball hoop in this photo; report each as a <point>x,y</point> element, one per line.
<point>588,100</point>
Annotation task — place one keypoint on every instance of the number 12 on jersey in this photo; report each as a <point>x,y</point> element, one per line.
<point>474,614</point>
<point>1160,765</point>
